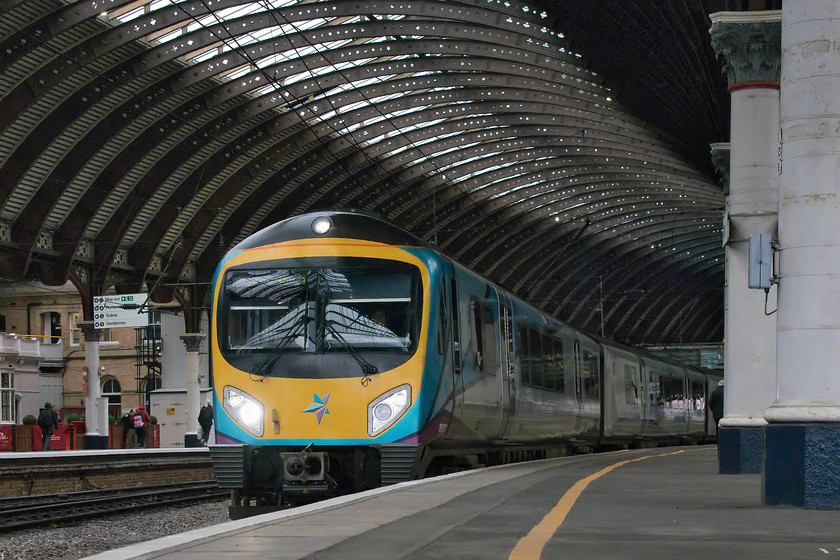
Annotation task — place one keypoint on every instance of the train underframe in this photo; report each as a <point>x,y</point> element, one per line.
<point>269,478</point>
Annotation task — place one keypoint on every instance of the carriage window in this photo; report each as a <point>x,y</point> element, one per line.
<point>699,396</point>
<point>677,396</point>
<point>484,335</point>
<point>655,389</point>
<point>670,392</point>
<point>555,372</point>
<point>535,358</point>
<point>664,390</point>
<point>673,393</point>
<point>545,361</point>
<point>541,359</point>
<point>591,381</point>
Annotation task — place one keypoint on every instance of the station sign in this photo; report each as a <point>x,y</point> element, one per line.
<point>127,310</point>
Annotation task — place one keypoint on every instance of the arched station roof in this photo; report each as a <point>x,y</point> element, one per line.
<point>559,147</point>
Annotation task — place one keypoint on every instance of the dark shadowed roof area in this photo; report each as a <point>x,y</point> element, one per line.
<point>560,147</point>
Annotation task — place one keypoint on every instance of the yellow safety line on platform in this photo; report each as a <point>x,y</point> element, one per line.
<point>531,545</point>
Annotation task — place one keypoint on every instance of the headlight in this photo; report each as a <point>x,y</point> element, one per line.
<point>388,408</point>
<point>245,409</point>
<point>322,225</point>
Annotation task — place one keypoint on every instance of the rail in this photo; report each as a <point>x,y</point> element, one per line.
<point>29,511</point>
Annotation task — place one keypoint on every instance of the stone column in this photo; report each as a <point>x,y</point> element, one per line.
<point>803,434</point>
<point>749,45</point>
<point>193,342</point>
<point>96,433</point>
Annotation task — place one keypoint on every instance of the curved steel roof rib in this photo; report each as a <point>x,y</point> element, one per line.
<point>140,139</point>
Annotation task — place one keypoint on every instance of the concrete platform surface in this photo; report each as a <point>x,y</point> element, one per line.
<point>652,504</point>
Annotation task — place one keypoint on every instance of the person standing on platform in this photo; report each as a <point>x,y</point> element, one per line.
<point>716,402</point>
<point>128,439</point>
<point>140,422</point>
<point>48,421</point>
<point>205,420</point>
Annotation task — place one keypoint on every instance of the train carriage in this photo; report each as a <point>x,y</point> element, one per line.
<point>347,354</point>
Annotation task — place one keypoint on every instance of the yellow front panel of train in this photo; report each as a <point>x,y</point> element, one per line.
<point>323,408</point>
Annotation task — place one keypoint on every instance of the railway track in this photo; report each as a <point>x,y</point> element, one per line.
<point>45,509</point>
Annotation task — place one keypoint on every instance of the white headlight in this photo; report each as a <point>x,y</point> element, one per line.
<point>251,414</point>
<point>322,225</point>
<point>245,409</point>
<point>384,411</point>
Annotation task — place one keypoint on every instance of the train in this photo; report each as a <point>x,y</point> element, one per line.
<point>346,354</point>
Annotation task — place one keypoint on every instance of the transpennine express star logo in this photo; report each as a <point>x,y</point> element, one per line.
<point>319,407</point>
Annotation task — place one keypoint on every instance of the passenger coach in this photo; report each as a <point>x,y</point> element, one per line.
<point>346,354</point>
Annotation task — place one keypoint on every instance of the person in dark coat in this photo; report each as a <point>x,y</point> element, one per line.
<point>141,422</point>
<point>48,421</point>
<point>716,402</point>
<point>205,420</point>
<point>128,439</point>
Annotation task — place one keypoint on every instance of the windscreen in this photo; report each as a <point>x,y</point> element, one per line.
<point>367,309</point>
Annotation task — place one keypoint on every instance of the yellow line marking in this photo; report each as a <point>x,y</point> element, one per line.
<point>531,545</point>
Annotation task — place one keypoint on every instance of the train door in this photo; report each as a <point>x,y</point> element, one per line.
<point>507,379</point>
<point>449,396</point>
<point>457,366</point>
<point>644,394</point>
<point>578,381</point>
<point>587,386</point>
<point>482,413</point>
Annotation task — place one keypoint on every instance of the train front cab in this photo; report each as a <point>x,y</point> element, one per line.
<point>320,430</point>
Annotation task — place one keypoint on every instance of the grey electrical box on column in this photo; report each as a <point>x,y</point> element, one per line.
<point>761,261</point>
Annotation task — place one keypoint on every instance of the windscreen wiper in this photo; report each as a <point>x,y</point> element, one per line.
<point>367,367</point>
<point>297,327</point>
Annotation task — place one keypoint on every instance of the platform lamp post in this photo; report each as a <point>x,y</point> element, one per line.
<point>96,427</point>
<point>193,342</point>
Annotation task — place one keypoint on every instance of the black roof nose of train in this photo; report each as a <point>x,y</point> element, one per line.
<point>350,225</point>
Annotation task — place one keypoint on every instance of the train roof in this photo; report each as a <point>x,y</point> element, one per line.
<point>370,227</point>
<point>347,225</point>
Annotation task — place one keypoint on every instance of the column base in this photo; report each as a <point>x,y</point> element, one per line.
<point>95,442</point>
<point>740,450</point>
<point>191,440</point>
<point>800,466</point>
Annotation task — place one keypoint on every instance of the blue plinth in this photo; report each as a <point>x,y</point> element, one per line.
<point>740,450</point>
<point>95,442</point>
<point>191,440</point>
<point>800,466</point>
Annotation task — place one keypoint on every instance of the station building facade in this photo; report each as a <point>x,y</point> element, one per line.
<point>42,356</point>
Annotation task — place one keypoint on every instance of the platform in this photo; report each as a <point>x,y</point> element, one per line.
<point>651,504</point>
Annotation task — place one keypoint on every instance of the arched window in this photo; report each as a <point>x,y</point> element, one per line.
<point>111,389</point>
<point>149,384</point>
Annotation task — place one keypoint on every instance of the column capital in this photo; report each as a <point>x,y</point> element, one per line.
<point>720,160</point>
<point>193,341</point>
<point>750,47</point>
<point>91,333</point>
